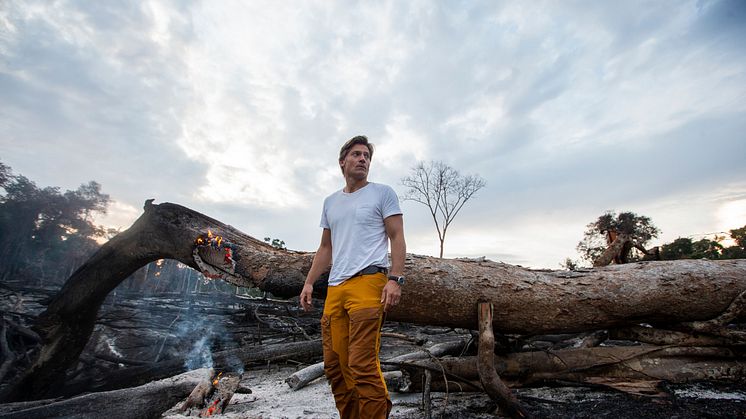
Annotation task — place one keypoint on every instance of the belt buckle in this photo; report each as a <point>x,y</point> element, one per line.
<point>368,270</point>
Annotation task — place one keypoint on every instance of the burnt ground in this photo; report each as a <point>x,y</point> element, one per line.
<point>271,398</point>
<point>691,401</point>
<point>152,328</point>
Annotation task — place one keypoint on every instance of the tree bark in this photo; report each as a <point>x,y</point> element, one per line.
<point>200,392</point>
<point>302,377</point>
<point>488,376</point>
<point>596,365</point>
<point>559,301</point>
<point>147,401</point>
<point>231,360</point>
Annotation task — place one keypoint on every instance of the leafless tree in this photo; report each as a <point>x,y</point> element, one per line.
<point>443,190</point>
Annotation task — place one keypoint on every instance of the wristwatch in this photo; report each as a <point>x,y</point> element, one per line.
<point>399,279</point>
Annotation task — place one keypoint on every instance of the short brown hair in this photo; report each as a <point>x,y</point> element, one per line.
<point>360,139</point>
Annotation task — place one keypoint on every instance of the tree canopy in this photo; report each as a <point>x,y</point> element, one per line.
<point>46,233</point>
<point>686,248</point>
<point>600,233</point>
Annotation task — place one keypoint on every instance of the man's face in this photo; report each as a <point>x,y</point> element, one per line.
<point>357,162</point>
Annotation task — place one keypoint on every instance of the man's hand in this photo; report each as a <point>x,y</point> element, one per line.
<point>305,297</point>
<point>391,295</point>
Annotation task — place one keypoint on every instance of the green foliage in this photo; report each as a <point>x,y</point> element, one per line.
<point>44,233</point>
<point>733,252</point>
<point>680,248</point>
<point>640,228</point>
<point>706,249</point>
<point>739,235</point>
<point>4,174</point>
<point>686,248</point>
<point>571,264</point>
<point>276,243</point>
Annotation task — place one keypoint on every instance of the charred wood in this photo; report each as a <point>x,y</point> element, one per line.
<point>454,347</point>
<point>197,397</point>
<point>230,360</point>
<point>147,401</point>
<point>225,387</point>
<point>592,365</point>
<point>301,378</point>
<point>6,354</point>
<point>488,376</point>
<point>657,336</point>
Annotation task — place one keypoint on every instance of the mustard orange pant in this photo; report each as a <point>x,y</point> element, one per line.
<point>351,336</point>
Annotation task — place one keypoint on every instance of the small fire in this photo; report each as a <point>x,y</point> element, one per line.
<point>214,256</point>
<point>213,407</point>
<point>217,379</point>
<point>219,244</point>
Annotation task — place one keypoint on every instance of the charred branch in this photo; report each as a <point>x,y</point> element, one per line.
<point>488,376</point>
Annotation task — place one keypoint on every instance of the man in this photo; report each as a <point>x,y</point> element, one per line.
<point>358,223</point>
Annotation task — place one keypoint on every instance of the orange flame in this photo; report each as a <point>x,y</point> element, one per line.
<point>212,408</point>
<point>217,379</point>
<point>212,239</point>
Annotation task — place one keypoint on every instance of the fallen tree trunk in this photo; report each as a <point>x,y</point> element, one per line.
<point>231,360</point>
<point>302,377</point>
<point>594,365</point>
<point>559,301</point>
<point>147,401</point>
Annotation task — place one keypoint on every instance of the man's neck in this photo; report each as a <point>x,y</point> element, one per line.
<point>354,184</point>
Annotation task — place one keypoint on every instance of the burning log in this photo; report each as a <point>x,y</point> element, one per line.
<point>200,393</point>
<point>213,394</point>
<point>661,293</point>
<point>225,388</point>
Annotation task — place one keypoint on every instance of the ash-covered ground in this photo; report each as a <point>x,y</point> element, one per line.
<point>272,398</point>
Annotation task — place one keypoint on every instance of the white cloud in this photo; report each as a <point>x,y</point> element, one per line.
<point>731,215</point>
<point>120,215</point>
<point>240,108</point>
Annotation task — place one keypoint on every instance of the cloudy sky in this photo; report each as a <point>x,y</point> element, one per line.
<point>237,109</point>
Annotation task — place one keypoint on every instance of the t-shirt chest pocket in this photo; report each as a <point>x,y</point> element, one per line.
<point>367,215</point>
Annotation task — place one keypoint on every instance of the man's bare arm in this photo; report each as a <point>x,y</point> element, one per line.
<point>395,231</point>
<point>321,261</point>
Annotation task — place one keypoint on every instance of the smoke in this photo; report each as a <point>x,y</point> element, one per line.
<point>200,356</point>
<point>203,335</point>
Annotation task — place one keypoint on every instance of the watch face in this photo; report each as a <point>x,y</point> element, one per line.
<point>399,279</point>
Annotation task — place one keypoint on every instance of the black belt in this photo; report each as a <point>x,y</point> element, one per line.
<point>372,269</point>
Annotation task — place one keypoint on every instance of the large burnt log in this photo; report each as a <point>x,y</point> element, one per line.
<point>146,401</point>
<point>527,301</point>
<point>602,365</point>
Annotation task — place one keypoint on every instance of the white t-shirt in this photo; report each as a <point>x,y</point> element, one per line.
<point>358,234</point>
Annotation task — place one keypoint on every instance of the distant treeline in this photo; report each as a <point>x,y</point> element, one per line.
<point>45,234</point>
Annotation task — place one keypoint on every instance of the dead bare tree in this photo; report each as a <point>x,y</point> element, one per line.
<point>443,190</point>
